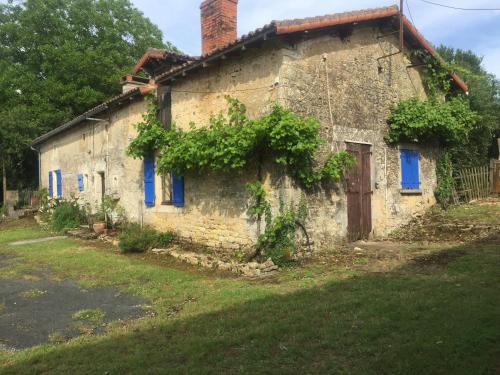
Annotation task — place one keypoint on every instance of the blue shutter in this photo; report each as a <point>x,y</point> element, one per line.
<point>177,190</point>
<point>149,181</point>
<point>59,183</point>
<point>409,170</point>
<point>51,188</point>
<point>80,182</point>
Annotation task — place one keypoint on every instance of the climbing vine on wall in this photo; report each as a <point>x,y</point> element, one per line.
<point>445,117</point>
<point>444,173</point>
<point>229,143</point>
<point>416,120</point>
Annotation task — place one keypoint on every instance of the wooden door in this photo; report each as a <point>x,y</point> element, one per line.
<point>359,193</point>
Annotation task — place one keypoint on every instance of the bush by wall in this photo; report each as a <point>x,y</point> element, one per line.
<point>137,239</point>
<point>67,215</point>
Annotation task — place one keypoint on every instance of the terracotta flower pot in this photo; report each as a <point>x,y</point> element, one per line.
<point>99,228</point>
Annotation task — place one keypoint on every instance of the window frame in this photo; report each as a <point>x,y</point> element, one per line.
<point>404,186</point>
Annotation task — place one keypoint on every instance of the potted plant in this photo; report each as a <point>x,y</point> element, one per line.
<point>99,224</point>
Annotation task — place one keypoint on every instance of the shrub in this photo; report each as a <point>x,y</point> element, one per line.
<point>279,240</point>
<point>4,211</point>
<point>67,215</point>
<point>134,239</point>
<point>164,239</point>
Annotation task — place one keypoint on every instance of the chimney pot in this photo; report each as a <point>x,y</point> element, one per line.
<point>219,20</point>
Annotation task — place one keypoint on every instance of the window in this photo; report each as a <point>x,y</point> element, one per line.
<point>80,182</point>
<point>51,186</point>
<point>165,106</point>
<point>410,169</point>
<point>166,189</point>
<point>149,181</point>
<point>172,190</point>
<point>59,183</point>
<point>177,190</point>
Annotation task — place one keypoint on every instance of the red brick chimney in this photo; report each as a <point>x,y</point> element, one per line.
<point>218,23</point>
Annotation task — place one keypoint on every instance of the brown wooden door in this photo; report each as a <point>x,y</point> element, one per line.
<point>359,193</point>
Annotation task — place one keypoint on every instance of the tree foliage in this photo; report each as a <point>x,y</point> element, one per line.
<point>229,143</point>
<point>61,57</point>
<point>484,98</point>
<point>416,120</point>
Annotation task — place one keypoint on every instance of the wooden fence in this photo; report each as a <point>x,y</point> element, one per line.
<point>472,183</point>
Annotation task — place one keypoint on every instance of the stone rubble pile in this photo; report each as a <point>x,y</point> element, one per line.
<point>252,269</point>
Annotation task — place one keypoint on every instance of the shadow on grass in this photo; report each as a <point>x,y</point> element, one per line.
<point>408,321</point>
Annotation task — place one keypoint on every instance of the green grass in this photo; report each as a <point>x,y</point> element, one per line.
<point>437,315</point>
<point>90,315</point>
<point>475,213</point>
<point>33,293</point>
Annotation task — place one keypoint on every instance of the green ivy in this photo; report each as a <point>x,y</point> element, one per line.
<point>229,143</point>
<point>445,181</point>
<point>278,240</point>
<point>257,197</point>
<point>436,77</point>
<point>416,120</point>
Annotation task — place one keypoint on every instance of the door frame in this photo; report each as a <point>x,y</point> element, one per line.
<point>363,221</point>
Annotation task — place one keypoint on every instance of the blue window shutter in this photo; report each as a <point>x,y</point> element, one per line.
<point>59,183</point>
<point>409,169</point>
<point>149,181</point>
<point>177,190</point>
<point>51,188</point>
<point>80,182</point>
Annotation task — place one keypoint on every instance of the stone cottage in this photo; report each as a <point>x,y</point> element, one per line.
<point>344,69</point>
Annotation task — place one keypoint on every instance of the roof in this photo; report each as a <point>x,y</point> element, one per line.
<point>137,92</point>
<point>156,60</point>
<point>160,59</point>
<point>286,27</point>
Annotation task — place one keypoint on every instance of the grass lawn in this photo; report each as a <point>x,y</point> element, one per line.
<point>475,213</point>
<point>436,314</point>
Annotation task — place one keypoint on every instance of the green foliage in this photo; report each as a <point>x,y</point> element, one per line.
<point>111,212</point>
<point>164,239</point>
<point>137,239</point>
<point>444,172</point>
<point>337,164</point>
<point>416,120</point>
<point>279,238</point>
<point>436,76</point>
<point>257,196</point>
<point>4,211</point>
<point>484,98</point>
<point>60,58</point>
<point>230,142</point>
<point>66,215</point>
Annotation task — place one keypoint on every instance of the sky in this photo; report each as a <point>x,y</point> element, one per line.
<point>478,31</point>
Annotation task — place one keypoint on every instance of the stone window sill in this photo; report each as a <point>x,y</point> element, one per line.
<point>168,209</point>
<point>410,191</point>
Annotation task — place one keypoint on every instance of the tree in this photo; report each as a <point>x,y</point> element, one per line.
<point>484,97</point>
<point>58,58</point>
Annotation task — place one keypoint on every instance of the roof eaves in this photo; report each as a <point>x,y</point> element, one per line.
<point>312,23</point>
<point>430,49</point>
<point>260,33</point>
<point>139,91</point>
<point>151,53</point>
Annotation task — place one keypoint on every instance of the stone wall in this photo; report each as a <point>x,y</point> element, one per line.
<point>338,80</point>
<point>94,148</point>
<point>344,84</point>
<point>215,204</point>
